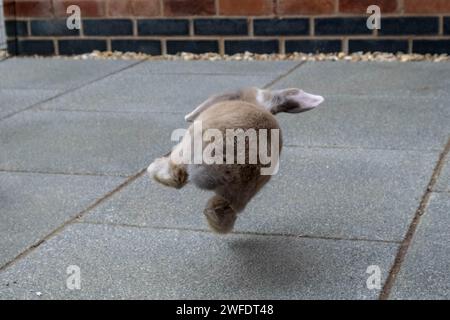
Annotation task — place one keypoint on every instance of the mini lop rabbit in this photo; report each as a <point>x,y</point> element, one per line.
<point>234,183</point>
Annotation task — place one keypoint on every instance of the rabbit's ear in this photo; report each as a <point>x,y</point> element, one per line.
<point>293,101</point>
<point>190,117</point>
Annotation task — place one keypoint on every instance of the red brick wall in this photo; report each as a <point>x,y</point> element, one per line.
<point>135,8</point>
<point>325,25</point>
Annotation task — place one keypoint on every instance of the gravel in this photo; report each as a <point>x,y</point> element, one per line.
<point>248,56</point>
<point>3,54</point>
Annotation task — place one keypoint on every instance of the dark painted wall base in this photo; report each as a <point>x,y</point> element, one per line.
<point>421,34</point>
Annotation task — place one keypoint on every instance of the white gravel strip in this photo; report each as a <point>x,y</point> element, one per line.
<point>247,56</point>
<point>3,54</point>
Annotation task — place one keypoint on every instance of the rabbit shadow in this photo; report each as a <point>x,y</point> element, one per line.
<point>271,266</point>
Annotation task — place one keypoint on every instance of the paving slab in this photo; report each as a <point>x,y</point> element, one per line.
<point>214,67</point>
<point>30,73</point>
<point>443,182</point>
<point>84,142</point>
<point>425,273</point>
<point>13,100</point>
<point>134,263</point>
<point>393,79</point>
<point>33,205</point>
<point>133,92</point>
<point>368,194</point>
<point>375,122</point>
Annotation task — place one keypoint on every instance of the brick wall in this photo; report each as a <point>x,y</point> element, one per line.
<point>227,26</point>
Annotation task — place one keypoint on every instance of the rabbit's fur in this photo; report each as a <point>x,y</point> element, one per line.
<point>234,184</point>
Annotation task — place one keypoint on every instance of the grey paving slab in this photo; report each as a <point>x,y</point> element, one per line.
<point>121,262</point>
<point>393,79</point>
<point>33,205</point>
<point>425,273</point>
<point>13,100</point>
<point>215,67</point>
<point>29,73</point>
<point>375,122</point>
<point>369,194</point>
<point>443,182</point>
<point>132,91</point>
<point>84,142</point>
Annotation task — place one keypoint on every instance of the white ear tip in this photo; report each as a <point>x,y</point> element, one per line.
<point>320,99</point>
<point>309,100</point>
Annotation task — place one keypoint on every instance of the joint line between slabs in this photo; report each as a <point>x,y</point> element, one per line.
<point>70,90</point>
<point>270,84</point>
<point>406,243</point>
<point>247,233</point>
<point>73,219</point>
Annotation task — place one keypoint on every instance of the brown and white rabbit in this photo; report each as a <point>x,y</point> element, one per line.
<point>234,184</point>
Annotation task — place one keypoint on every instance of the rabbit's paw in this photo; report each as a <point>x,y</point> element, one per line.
<point>167,173</point>
<point>220,216</point>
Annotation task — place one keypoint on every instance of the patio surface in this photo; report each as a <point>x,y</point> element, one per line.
<point>364,181</point>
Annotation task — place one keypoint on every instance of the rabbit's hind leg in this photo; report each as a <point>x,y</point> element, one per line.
<point>164,171</point>
<point>220,215</point>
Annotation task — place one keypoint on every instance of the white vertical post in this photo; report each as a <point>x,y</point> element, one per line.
<point>2,28</point>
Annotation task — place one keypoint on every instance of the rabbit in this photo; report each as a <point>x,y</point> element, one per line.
<point>234,184</point>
